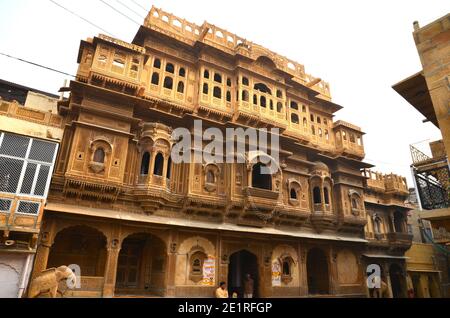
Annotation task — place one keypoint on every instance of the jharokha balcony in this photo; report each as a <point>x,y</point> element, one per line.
<point>386,183</point>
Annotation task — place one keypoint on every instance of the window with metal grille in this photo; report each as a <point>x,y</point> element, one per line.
<point>42,151</point>
<point>25,164</point>
<point>14,145</point>
<point>5,205</point>
<point>28,178</point>
<point>41,182</point>
<point>10,170</point>
<point>28,207</point>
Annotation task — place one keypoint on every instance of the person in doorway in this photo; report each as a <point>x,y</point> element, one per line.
<point>221,291</point>
<point>249,285</point>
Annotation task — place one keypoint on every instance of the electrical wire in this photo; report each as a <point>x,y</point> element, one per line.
<point>80,17</point>
<point>132,10</point>
<point>120,12</point>
<point>36,64</point>
<point>139,5</point>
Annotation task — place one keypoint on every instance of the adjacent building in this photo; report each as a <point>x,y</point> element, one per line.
<point>428,92</point>
<point>137,223</point>
<point>30,132</point>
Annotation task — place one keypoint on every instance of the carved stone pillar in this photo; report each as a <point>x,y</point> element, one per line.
<point>112,258</point>
<point>41,259</point>
<point>171,266</point>
<point>43,250</point>
<point>302,271</point>
<point>334,285</point>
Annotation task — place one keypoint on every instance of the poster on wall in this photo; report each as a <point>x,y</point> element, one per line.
<point>276,273</point>
<point>209,270</point>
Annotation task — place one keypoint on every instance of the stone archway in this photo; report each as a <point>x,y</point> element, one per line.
<point>242,263</point>
<point>81,245</point>
<point>141,267</point>
<point>318,273</point>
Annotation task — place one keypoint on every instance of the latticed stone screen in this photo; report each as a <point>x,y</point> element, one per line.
<point>26,165</point>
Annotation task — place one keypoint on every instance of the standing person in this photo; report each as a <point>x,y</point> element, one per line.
<point>221,291</point>
<point>249,285</point>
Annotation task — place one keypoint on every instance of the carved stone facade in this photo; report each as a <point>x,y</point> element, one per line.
<point>140,224</point>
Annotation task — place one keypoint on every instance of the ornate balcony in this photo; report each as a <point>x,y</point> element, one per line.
<point>399,240</point>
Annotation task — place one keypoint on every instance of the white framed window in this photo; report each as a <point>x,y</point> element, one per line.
<point>28,207</point>
<point>5,205</point>
<point>26,165</point>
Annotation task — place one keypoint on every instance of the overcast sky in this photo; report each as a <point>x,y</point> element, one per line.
<point>361,48</point>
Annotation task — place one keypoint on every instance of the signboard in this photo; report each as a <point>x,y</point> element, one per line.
<point>276,273</point>
<point>209,271</point>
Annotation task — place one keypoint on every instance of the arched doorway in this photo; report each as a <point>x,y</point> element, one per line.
<point>242,263</point>
<point>399,222</point>
<point>317,269</point>
<point>81,245</point>
<point>141,266</point>
<point>397,281</point>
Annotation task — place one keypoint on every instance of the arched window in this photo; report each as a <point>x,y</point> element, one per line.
<point>294,105</point>
<point>359,141</point>
<point>305,123</point>
<point>262,101</point>
<point>168,82</point>
<point>311,116</point>
<point>157,63</point>
<point>286,268</point>
<point>279,107</point>
<point>313,130</point>
<point>262,88</point>
<point>245,96</point>
<point>355,204</point>
<point>206,74</point>
<point>260,180</point>
<point>279,93</point>
<point>182,72</point>
<point>255,100</point>
<point>99,155</point>
<point>159,165</point>
<point>320,132</point>
<point>196,266</point>
<point>170,68</point>
<point>327,136</point>
<point>217,92</point>
<point>169,168</point>
<point>326,195</point>
<point>317,196</point>
<point>271,104</point>
<point>344,135</point>
<point>352,138</point>
<point>245,81</point>
<point>228,82</point>
<point>304,108</point>
<point>210,177</point>
<point>228,96</point>
<point>180,87</point>
<point>293,194</point>
<point>217,78</point>
<point>294,118</point>
<point>205,88</point>
<point>399,222</point>
<point>145,162</point>
<point>318,120</point>
<point>155,78</point>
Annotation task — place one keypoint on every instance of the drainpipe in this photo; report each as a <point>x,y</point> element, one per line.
<point>24,275</point>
